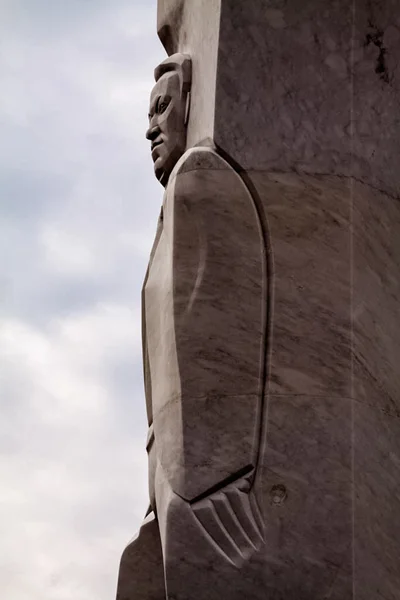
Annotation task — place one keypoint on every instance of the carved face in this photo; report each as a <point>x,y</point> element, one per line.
<point>167,130</point>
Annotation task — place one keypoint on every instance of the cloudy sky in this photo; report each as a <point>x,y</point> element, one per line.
<point>79,205</point>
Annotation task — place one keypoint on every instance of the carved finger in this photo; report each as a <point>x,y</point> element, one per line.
<point>232,524</point>
<point>240,503</point>
<point>217,533</point>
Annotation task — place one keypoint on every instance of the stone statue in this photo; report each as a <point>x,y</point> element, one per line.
<point>270,306</point>
<point>168,116</point>
<point>204,320</point>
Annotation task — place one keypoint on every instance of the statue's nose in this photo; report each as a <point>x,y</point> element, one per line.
<point>152,132</point>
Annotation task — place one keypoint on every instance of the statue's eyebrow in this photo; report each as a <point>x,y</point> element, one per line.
<point>153,106</point>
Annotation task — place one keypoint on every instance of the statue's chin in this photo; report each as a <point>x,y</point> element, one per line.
<point>164,165</point>
<point>161,174</point>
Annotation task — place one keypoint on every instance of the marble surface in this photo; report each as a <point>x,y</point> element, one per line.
<point>376,294</point>
<point>284,80</point>
<point>376,385</point>
<point>206,345</point>
<point>376,143</point>
<point>377,504</point>
<point>308,550</point>
<point>141,572</point>
<point>309,240</point>
<point>311,86</point>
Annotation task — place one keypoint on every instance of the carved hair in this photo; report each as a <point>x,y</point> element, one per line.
<point>181,64</point>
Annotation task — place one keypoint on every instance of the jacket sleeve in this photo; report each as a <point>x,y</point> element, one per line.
<point>207,412</point>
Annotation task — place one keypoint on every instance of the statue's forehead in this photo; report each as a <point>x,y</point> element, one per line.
<point>168,84</point>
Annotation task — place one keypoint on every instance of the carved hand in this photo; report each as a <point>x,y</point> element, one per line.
<point>232,521</point>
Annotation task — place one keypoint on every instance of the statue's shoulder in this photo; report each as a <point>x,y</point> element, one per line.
<point>202,173</point>
<point>200,158</point>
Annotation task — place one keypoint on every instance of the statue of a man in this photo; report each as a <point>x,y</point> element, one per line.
<point>204,315</point>
<point>168,115</point>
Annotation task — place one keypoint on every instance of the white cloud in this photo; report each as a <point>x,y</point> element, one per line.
<point>68,489</point>
<point>79,207</point>
<point>67,252</point>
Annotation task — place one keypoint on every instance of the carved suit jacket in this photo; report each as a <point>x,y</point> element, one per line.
<point>204,312</point>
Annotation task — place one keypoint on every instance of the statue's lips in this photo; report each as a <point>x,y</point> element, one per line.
<point>154,153</point>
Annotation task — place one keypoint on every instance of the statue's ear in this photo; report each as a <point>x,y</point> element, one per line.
<point>187,109</point>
